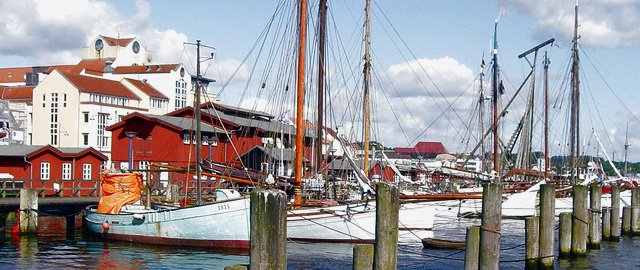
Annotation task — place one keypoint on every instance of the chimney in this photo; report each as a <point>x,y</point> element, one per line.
<point>107,66</point>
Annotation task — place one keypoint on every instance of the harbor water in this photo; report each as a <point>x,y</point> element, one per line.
<point>53,249</point>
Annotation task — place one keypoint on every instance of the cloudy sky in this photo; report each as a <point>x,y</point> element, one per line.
<point>426,57</point>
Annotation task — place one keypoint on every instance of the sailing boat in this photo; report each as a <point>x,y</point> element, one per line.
<point>206,225</point>
<point>351,222</point>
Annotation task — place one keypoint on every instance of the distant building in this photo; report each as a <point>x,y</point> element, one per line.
<point>423,150</point>
<point>71,105</point>
<point>42,166</point>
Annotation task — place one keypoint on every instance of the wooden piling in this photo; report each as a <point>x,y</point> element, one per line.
<point>70,224</point>
<point>268,233</point>
<point>595,209</point>
<point>547,225</point>
<point>363,257</point>
<point>490,229</point>
<point>626,220</point>
<point>3,222</point>
<point>531,242</point>
<point>565,234</point>
<point>171,193</point>
<point>28,211</point>
<point>387,214</point>
<point>579,222</point>
<point>606,223</point>
<point>615,213</point>
<point>237,267</point>
<point>635,211</point>
<point>472,250</point>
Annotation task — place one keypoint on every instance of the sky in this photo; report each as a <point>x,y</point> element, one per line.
<point>426,57</point>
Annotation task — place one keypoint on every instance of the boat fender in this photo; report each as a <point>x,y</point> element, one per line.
<point>105,225</point>
<point>138,216</point>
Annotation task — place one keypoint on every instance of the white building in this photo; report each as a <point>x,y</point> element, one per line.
<point>72,104</point>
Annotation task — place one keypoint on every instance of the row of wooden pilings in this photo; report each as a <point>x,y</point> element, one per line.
<point>268,248</point>
<point>580,230</point>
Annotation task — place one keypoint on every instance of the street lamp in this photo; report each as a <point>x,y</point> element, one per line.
<point>130,135</point>
<point>211,141</point>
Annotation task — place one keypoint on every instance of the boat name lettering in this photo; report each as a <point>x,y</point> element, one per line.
<point>224,206</point>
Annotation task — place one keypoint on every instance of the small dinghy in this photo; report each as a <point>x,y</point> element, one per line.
<point>442,243</point>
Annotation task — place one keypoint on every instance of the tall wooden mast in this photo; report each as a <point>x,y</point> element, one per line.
<point>367,78</point>
<point>321,58</point>
<point>199,80</point>
<point>494,102</point>
<point>575,105</point>
<point>546,116</point>
<point>481,117</point>
<point>302,40</point>
<point>626,150</point>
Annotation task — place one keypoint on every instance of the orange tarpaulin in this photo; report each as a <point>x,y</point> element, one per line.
<point>119,189</point>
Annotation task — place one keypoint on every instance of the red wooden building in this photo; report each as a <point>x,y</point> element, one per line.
<point>73,170</point>
<point>227,133</point>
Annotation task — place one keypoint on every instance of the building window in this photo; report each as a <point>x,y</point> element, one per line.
<point>186,139</point>
<point>66,171</point>
<point>86,171</point>
<point>85,138</point>
<point>64,100</point>
<point>53,126</point>
<point>44,100</point>
<point>85,117</point>
<point>156,103</point>
<point>102,124</point>
<point>45,170</point>
<point>181,94</point>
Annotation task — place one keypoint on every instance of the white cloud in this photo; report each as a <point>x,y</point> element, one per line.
<point>49,32</point>
<point>605,23</point>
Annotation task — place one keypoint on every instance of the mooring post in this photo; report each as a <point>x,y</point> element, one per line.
<point>236,267</point>
<point>28,211</point>
<point>531,242</point>
<point>472,249</point>
<point>635,211</point>
<point>565,234</point>
<point>595,208</point>
<point>3,222</point>
<point>547,225</point>
<point>626,220</point>
<point>363,257</point>
<point>171,192</point>
<point>490,229</point>
<point>268,233</point>
<point>70,223</point>
<point>580,222</point>
<point>606,223</point>
<point>387,214</point>
<point>615,213</point>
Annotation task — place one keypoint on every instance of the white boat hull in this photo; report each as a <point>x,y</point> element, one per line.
<point>356,223</point>
<point>223,224</point>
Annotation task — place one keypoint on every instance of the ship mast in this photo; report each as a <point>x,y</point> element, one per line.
<point>546,116</point>
<point>321,58</point>
<point>481,116</point>
<point>494,102</point>
<point>575,105</point>
<point>626,150</point>
<point>302,40</point>
<point>199,79</point>
<point>367,78</point>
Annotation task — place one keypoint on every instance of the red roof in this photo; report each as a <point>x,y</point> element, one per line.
<point>122,42</point>
<point>166,68</point>
<point>14,75</point>
<point>100,86</point>
<point>17,92</point>
<point>423,148</point>
<point>146,88</point>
